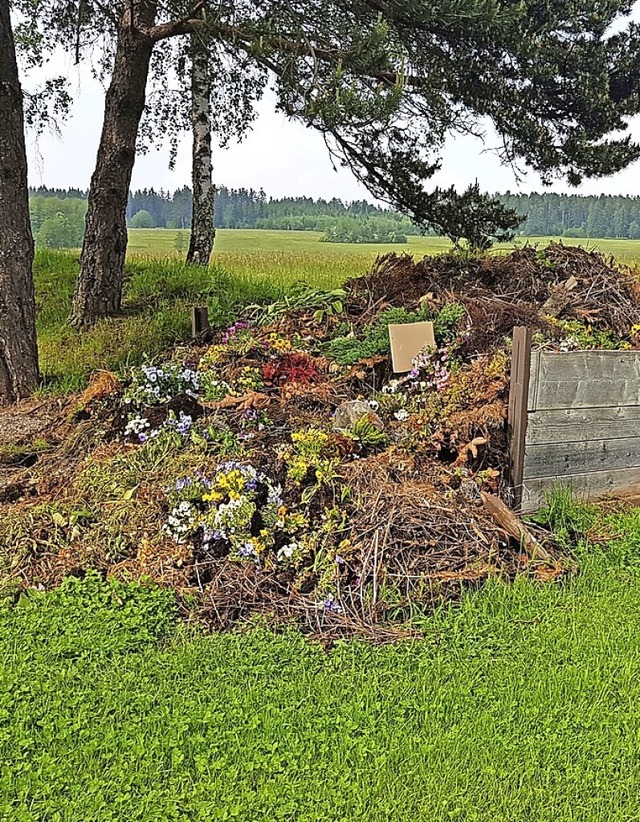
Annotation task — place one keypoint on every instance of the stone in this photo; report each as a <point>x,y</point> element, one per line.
<point>349,413</point>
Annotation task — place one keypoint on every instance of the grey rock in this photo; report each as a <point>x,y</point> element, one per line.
<point>349,413</point>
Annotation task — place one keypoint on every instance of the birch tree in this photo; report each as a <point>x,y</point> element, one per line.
<point>203,191</point>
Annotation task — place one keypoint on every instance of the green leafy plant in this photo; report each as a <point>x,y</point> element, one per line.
<point>310,458</point>
<point>575,335</point>
<point>367,434</point>
<point>301,296</point>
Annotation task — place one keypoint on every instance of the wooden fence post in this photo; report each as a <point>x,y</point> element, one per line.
<point>518,401</point>
<point>199,319</point>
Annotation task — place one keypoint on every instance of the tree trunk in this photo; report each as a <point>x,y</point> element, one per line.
<point>204,193</point>
<point>99,288</point>
<point>18,347</point>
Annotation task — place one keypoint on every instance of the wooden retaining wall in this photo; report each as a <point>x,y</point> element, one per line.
<point>574,419</point>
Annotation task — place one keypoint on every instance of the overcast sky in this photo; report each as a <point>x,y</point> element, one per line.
<point>282,157</point>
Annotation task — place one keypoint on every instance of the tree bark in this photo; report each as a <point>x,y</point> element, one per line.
<point>18,346</point>
<point>204,193</point>
<point>99,288</point>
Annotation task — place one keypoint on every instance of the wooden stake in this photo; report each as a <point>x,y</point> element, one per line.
<point>199,319</point>
<point>518,402</point>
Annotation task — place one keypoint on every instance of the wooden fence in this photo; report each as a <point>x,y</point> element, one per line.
<point>574,419</point>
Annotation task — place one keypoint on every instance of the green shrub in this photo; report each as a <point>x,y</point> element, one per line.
<point>142,219</point>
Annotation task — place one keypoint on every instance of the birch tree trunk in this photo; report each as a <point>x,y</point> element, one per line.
<point>202,216</point>
<point>18,347</point>
<point>99,288</point>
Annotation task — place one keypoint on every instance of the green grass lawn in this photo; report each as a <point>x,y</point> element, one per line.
<point>521,703</point>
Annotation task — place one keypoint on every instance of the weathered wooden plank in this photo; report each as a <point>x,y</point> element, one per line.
<point>517,416</point>
<point>585,486</point>
<point>585,379</point>
<point>575,424</point>
<point>565,459</point>
<point>534,381</point>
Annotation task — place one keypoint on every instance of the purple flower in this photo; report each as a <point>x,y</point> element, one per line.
<point>182,424</point>
<point>331,605</point>
<point>233,330</point>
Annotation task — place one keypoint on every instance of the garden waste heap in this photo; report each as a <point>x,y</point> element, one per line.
<point>278,470</point>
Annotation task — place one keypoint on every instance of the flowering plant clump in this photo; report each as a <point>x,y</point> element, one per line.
<point>181,424</point>
<point>237,340</point>
<point>276,342</point>
<point>233,333</point>
<point>249,379</point>
<point>137,426</point>
<point>238,509</point>
<point>140,427</point>
<point>431,369</point>
<point>311,453</point>
<point>253,419</point>
<point>154,385</point>
<point>573,335</point>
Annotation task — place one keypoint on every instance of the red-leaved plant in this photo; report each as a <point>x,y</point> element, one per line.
<point>295,367</point>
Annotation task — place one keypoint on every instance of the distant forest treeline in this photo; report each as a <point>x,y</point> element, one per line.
<point>58,214</point>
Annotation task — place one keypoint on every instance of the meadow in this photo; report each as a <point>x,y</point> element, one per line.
<point>162,242</point>
<point>301,255</point>
<point>519,703</point>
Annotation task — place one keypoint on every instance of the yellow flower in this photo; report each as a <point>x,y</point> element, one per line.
<point>212,496</point>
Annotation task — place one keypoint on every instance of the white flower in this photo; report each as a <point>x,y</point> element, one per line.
<point>286,552</point>
<point>374,404</point>
<point>391,387</point>
<point>136,425</point>
<point>274,493</point>
<point>402,414</point>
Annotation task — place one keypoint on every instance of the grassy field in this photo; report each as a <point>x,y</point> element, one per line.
<point>300,255</point>
<point>519,704</point>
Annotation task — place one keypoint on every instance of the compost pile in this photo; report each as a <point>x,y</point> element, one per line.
<point>278,469</point>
